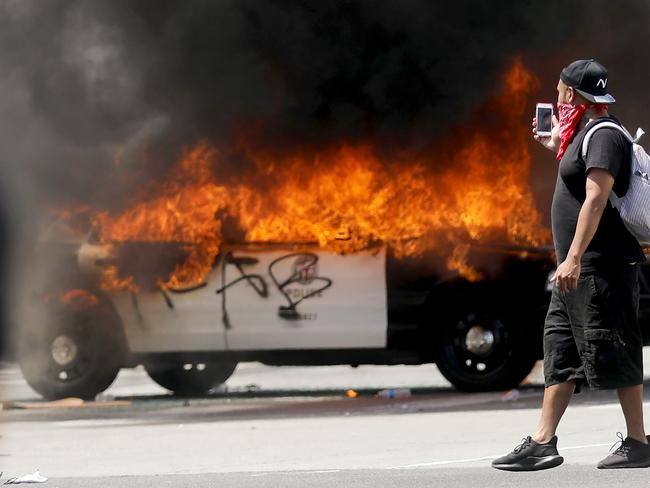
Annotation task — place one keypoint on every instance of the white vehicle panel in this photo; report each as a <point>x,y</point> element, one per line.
<point>258,298</point>
<point>344,303</point>
<point>193,324</point>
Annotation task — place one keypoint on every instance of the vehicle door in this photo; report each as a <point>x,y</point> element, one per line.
<point>283,298</point>
<point>173,320</point>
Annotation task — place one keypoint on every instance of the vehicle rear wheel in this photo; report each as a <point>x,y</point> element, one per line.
<point>483,352</point>
<point>72,353</point>
<point>190,378</point>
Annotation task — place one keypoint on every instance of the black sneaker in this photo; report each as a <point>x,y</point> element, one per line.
<point>530,456</point>
<point>630,454</point>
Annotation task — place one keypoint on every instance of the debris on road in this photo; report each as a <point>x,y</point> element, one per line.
<point>511,396</point>
<point>394,393</point>
<point>351,394</point>
<point>63,403</point>
<point>34,477</point>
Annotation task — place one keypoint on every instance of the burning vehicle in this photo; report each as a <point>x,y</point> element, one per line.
<point>282,304</point>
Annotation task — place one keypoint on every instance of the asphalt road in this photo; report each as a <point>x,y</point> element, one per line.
<point>295,427</point>
<point>564,476</point>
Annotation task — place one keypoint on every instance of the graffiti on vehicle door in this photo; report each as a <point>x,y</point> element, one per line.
<point>304,271</point>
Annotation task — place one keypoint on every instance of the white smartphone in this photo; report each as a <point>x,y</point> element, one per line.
<point>544,114</point>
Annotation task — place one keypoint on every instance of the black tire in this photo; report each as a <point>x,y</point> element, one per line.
<point>72,352</point>
<point>191,378</point>
<point>478,366</point>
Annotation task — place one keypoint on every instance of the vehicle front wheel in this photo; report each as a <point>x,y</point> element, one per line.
<point>72,352</point>
<point>190,378</point>
<point>483,352</point>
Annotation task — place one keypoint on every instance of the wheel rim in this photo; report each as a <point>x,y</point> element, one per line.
<point>64,350</point>
<point>479,341</point>
<point>193,368</point>
<point>70,356</point>
<point>478,345</point>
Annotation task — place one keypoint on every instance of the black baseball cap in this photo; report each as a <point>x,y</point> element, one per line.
<point>589,78</point>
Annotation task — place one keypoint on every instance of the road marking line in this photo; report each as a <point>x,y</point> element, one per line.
<point>315,471</point>
<point>297,471</point>
<point>586,446</point>
<point>484,458</point>
<point>606,406</point>
<point>437,463</point>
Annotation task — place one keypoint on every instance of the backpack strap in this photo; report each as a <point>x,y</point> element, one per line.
<point>612,125</point>
<point>613,198</point>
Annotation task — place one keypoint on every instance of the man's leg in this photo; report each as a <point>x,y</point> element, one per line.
<point>634,450</point>
<point>539,451</point>
<point>561,362</point>
<point>618,360</point>
<point>556,401</point>
<point>631,399</point>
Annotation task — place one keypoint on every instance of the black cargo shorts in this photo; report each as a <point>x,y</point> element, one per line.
<point>592,334</point>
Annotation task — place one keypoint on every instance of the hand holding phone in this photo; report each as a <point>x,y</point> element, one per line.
<point>545,127</point>
<point>544,116</point>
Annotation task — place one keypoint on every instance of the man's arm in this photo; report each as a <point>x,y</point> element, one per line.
<point>598,188</point>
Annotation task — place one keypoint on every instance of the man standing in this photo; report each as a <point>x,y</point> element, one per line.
<point>591,333</point>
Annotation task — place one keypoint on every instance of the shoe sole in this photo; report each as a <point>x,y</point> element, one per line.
<point>640,464</point>
<point>532,463</point>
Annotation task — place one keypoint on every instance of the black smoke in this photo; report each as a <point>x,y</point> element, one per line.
<point>86,80</point>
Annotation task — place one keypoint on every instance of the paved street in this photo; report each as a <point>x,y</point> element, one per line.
<point>293,426</point>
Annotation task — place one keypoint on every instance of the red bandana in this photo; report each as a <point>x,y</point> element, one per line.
<point>570,117</point>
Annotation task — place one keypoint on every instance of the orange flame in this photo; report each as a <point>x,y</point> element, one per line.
<point>184,211</point>
<point>481,193</point>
